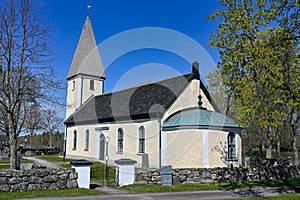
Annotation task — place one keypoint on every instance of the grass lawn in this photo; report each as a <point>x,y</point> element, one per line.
<point>5,163</point>
<point>48,193</point>
<point>283,197</point>
<point>142,188</point>
<point>54,158</point>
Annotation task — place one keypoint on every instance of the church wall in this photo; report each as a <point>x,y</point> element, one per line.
<point>71,98</point>
<point>189,98</point>
<point>199,149</point>
<point>130,141</point>
<point>81,92</point>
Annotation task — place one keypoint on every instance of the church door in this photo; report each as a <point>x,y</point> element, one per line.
<point>102,147</point>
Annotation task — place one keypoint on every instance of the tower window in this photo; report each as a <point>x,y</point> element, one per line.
<point>141,139</point>
<point>120,140</point>
<point>231,147</point>
<point>92,85</point>
<point>73,86</point>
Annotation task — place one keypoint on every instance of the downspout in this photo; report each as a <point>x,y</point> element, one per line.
<point>160,156</point>
<point>65,143</point>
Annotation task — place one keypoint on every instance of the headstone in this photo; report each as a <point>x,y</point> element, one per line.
<point>19,159</point>
<point>166,175</point>
<point>145,160</point>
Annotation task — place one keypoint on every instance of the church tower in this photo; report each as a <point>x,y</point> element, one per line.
<point>86,75</point>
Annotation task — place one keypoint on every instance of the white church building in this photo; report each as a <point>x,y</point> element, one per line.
<point>169,122</point>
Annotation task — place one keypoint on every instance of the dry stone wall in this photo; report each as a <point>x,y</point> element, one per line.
<point>37,179</point>
<point>204,175</point>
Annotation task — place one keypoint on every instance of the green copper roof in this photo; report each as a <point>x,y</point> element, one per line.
<point>196,118</point>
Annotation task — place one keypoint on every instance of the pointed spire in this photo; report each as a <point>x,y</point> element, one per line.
<point>86,60</point>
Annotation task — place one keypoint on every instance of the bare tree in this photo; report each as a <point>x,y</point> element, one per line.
<point>26,77</point>
<point>51,123</point>
<point>33,121</point>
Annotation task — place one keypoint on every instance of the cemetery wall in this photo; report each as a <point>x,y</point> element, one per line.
<point>209,175</point>
<point>37,179</point>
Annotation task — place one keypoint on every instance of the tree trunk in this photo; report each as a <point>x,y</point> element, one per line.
<point>13,148</point>
<point>295,151</point>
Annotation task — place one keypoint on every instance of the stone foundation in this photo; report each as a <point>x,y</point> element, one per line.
<point>37,179</point>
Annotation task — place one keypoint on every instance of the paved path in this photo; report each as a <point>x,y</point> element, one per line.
<point>43,163</point>
<point>192,195</point>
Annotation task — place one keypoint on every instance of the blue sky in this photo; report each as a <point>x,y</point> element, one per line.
<point>110,18</point>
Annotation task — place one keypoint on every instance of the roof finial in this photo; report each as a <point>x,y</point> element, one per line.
<point>200,103</point>
<point>89,10</point>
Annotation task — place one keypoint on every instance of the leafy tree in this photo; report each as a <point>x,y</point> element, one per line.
<point>258,42</point>
<point>26,78</point>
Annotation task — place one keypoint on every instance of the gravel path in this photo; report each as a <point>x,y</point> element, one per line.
<point>43,163</point>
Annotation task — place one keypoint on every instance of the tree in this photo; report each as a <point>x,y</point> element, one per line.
<point>33,120</point>
<point>26,77</point>
<point>51,123</point>
<point>258,42</point>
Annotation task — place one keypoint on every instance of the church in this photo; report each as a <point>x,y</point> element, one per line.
<point>169,122</point>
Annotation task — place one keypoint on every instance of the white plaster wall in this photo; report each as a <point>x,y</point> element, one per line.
<point>189,98</point>
<point>130,141</point>
<point>196,148</point>
<point>82,91</point>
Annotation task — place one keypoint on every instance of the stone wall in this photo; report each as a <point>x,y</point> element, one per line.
<point>203,175</point>
<point>37,179</point>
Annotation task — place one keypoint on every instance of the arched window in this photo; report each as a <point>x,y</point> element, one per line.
<point>92,85</point>
<point>87,140</point>
<point>74,140</point>
<point>231,146</point>
<point>141,139</point>
<point>120,140</point>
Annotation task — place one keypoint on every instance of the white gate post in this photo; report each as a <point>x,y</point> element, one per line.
<point>83,169</point>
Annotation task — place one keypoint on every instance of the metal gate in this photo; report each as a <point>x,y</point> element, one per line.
<point>103,176</point>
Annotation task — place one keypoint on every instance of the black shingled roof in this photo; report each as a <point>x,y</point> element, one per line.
<point>142,102</point>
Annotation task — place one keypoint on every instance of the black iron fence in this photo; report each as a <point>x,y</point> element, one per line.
<point>102,175</point>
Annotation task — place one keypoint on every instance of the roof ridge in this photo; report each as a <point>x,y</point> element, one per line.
<point>137,86</point>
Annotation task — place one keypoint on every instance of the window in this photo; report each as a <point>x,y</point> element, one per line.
<point>92,85</point>
<point>87,140</point>
<point>73,87</point>
<point>141,139</point>
<point>120,140</point>
<point>231,147</point>
<point>74,140</point>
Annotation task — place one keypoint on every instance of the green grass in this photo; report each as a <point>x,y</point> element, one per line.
<point>145,188</point>
<point>274,183</point>
<point>283,197</point>
<point>54,158</point>
<point>98,173</point>
<point>141,188</point>
<point>5,163</point>
<point>48,193</point>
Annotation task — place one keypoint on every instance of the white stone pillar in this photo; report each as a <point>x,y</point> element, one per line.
<point>83,169</point>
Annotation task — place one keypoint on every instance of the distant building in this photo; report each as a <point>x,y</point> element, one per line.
<point>169,122</point>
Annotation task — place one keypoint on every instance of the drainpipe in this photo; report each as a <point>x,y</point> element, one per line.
<point>65,143</point>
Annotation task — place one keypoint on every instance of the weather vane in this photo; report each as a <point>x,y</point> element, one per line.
<point>88,9</point>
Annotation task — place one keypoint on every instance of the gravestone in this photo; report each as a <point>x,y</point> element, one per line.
<point>166,175</point>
